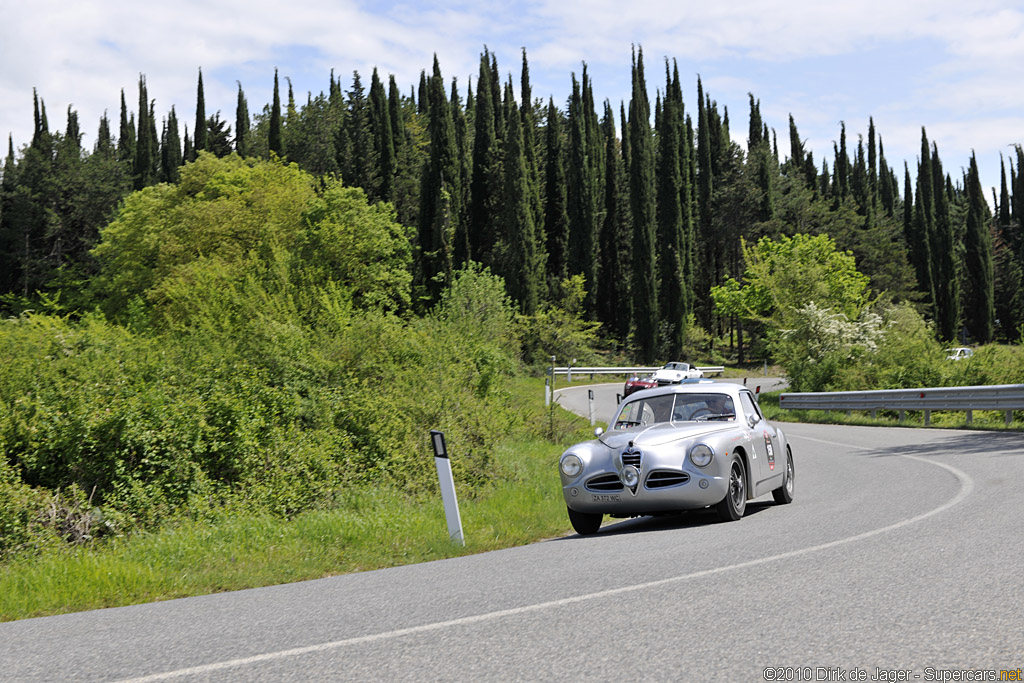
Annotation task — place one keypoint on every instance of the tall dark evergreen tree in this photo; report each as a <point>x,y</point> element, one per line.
<point>979,307</point>
<point>199,140</point>
<point>170,151</point>
<point>669,187</point>
<point>519,261</point>
<point>556,219</point>
<point>145,145</point>
<point>460,232</point>
<point>126,138</point>
<point>613,300</point>
<point>439,196</point>
<point>486,183</point>
<point>642,203</point>
<point>242,125</point>
<point>275,142</point>
<point>383,138</point>
<point>945,283</point>
<point>919,238</point>
<point>707,243</point>
<point>579,199</point>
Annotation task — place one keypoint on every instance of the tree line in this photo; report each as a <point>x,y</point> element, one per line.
<point>651,205</point>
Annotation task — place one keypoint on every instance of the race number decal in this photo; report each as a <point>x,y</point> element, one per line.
<point>770,449</point>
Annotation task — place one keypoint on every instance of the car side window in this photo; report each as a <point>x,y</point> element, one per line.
<point>750,406</point>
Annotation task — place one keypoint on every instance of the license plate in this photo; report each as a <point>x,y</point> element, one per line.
<point>606,498</point>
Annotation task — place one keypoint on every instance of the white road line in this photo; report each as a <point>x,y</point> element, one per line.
<point>966,488</point>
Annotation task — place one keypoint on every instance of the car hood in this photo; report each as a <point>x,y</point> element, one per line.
<point>661,433</point>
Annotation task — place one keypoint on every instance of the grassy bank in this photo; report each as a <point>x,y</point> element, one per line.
<point>371,529</point>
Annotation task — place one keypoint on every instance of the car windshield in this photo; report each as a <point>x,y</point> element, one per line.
<point>676,408</point>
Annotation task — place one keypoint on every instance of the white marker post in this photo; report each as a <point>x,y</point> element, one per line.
<point>590,405</point>
<point>444,477</point>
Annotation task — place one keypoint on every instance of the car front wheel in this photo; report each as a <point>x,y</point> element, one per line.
<point>732,507</point>
<point>584,523</point>
<point>784,494</point>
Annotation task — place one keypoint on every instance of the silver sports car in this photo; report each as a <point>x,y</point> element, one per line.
<point>677,447</point>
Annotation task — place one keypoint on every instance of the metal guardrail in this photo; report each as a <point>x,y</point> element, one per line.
<point>570,370</point>
<point>1004,397</point>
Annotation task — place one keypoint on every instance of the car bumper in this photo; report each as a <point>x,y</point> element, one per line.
<point>700,491</point>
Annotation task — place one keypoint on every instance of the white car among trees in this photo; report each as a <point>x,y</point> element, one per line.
<point>676,372</point>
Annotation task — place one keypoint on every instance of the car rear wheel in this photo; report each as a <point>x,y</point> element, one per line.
<point>732,507</point>
<point>584,523</point>
<point>784,494</point>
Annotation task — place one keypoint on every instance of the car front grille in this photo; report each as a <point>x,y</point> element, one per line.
<point>604,482</point>
<point>631,456</point>
<point>662,478</point>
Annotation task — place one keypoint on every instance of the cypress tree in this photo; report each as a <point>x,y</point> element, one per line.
<point>486,182</point>
<point>242,123</point>
<point>145,143</point>
<point>613,287</point>
<point>669,214</point>
<point>105,146</point>
<point>556,220</point>
<point>170,150</point>
<point>980,304</point>
<point>199,139</point>
<point>944,276</point>
<point>460,245</point>
<point>126,139</point>
<point>579,199</point>
<point>383,137</point>
<point>440,193</point>
<point>872,163</point>
<point>642,201</point>
<point>530,152</point>
<point>275,143</point>
<point>1004,195</point>
<point>920,241</point>
<point>520,262</point>
<point>796,148</point>
<point>705,231</point>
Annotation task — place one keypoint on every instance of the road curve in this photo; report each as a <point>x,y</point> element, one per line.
<point>902,550</point>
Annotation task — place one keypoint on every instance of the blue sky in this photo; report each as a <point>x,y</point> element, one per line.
<point>955,68</point>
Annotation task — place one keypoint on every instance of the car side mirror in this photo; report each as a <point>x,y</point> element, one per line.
<point>598,432</point>
<point>751,420</point>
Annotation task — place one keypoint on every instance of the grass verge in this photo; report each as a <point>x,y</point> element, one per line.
<point>375,528</point>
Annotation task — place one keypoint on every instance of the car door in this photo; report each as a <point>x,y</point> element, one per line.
<point>767,462</point>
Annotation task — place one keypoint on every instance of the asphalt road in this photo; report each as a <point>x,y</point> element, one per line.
<point>902,551</point>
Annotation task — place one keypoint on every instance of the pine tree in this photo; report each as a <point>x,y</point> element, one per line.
<point>199,140</point>
<point>642,200</point>
<point>980,304</point>
<point>275,143</point>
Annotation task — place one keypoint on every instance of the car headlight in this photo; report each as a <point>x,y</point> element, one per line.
<point>701,455</point>
<point>571,465</point>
